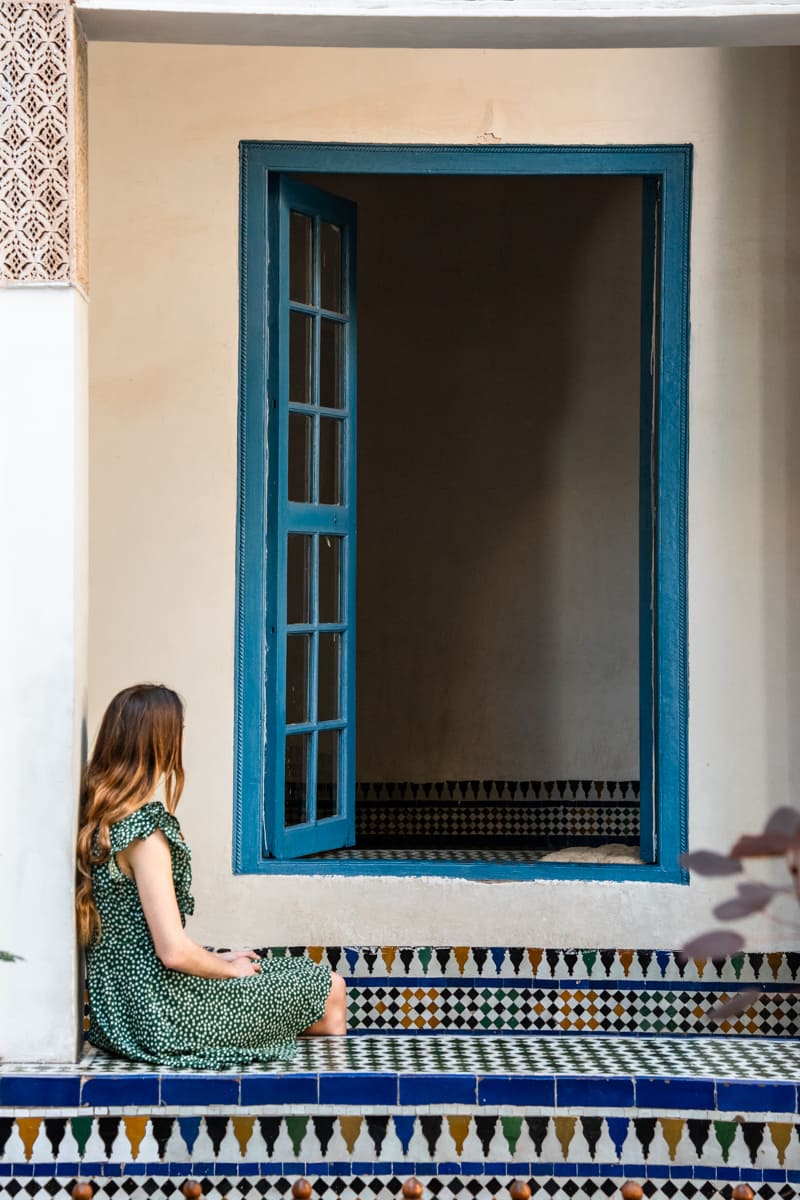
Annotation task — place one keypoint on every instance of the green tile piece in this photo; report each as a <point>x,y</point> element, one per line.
<point>725,1132</point>
<point>737,962</point>
<point>589,959</point>
<point>81,1128</point>
<point>425,954</point>
<point>512,1128</point>
<point>296,1128</point>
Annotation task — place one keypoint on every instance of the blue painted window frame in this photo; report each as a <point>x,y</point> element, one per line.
<point>667,171</point>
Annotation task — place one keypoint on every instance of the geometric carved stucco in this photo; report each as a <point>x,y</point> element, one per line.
<point>42,144</point>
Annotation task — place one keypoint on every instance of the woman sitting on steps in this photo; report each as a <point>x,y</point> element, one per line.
<point>154,994</point>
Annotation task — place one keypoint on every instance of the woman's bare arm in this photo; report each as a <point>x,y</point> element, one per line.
<point>150,861</point>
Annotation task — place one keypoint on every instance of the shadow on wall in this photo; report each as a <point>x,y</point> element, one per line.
<point>498,476</point>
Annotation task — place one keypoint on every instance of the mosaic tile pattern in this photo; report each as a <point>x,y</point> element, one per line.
<point>478,1142</point>
<point>481,989</point>
<point>491,790</point>
<point>750,1059</point>
<point>362,1185</point>
<point>538,990</point>
<point>547,964</point>
<point>359,1115</point>
<point>555,1009</point>
<point>407,1069</point>
<point>497,813</point>
<point>376,1143</point>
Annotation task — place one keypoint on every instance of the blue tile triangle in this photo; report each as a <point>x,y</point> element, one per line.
<point>351,953</point>
<point>404,1128</point>
<point>499,955</point>
<point>189,1127</point>
<point>618,1131</point>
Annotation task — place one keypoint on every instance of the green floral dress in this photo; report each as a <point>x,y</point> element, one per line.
<point>145,1012</point>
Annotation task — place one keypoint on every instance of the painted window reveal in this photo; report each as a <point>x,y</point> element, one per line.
<point>310,650</point>
<point>295,787</point>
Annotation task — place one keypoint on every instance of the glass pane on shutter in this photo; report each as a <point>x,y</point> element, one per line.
<point>301,333</point>
<point>330,244</point>
<point>330,460</point>
<point>296,779</point>
<point>328,677</point>
<point>330,579</point>
<point>298,579</point>
<point>330,365</point>
<point>299,458</point>
<point>297,652</point>
<point>327,773</point>
<point>300,257</point>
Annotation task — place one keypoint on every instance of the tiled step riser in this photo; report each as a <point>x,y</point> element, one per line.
<point>474,1143</point>
<point>450,1185</point>
<point>451,1008</point>
<point>495,989</point>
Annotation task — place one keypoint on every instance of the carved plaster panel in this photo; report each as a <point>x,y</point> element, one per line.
<point>42,144</point>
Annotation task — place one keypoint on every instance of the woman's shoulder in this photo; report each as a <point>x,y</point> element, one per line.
<point>142,822</point>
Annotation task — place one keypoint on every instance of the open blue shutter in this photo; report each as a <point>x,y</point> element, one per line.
<point>311,553</point>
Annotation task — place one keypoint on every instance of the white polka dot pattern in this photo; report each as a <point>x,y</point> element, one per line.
<point>143,1011</point>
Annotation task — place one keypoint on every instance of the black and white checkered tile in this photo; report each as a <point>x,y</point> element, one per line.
<point>451,1186</point>
<point>497,813</point>
<point>595,1054</point>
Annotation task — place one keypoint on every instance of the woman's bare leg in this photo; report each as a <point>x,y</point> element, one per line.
<point>334,1019</point>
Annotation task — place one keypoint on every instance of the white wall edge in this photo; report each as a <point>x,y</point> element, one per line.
<point>43,658</point>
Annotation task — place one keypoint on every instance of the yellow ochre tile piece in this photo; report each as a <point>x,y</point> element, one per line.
<point>351,1128</point>
<point>134,1130</point>
<point>459,1128</point>
<point>672,1128</point>
<point>780,1132</point>
<point>565,1131</point>
<point>28,1129</point>
<point>243,1129</point>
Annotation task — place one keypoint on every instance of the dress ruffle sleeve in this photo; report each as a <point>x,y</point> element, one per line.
<point>141,824</point>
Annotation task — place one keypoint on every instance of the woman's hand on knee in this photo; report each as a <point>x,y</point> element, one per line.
<point>243,966</point>
<point>232,955</point>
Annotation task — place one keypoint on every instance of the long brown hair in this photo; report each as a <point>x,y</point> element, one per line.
<point>139,741</point>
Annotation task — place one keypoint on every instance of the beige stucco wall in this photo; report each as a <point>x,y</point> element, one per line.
<point>164,128</point>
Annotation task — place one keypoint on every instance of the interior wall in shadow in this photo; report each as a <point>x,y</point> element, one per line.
<point>498,416</point>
